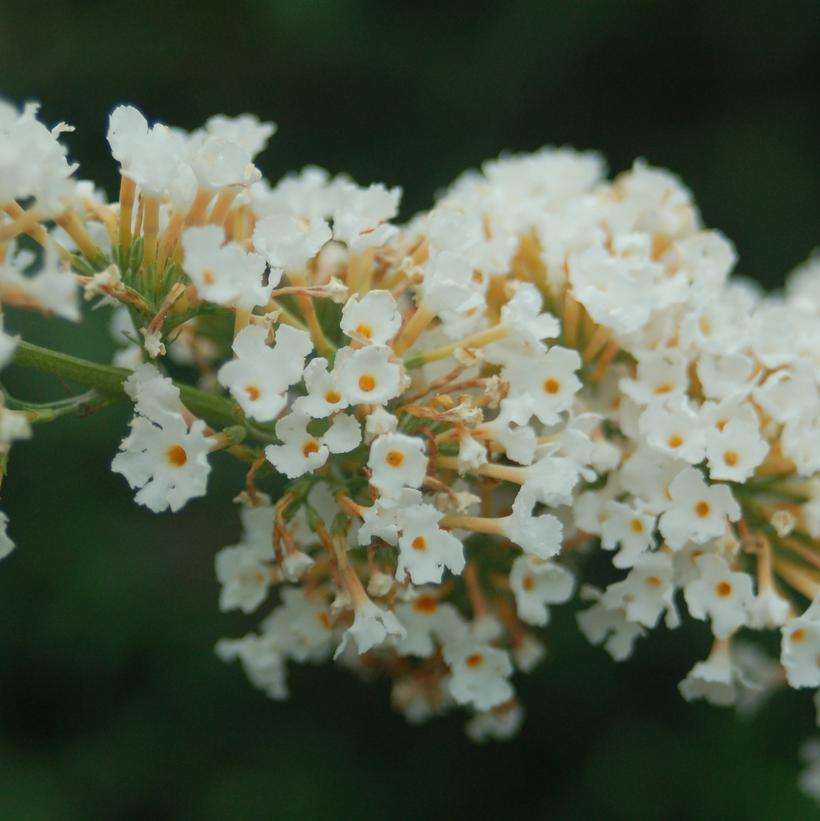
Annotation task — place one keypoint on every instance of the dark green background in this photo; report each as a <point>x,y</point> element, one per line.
<point>112,704</point>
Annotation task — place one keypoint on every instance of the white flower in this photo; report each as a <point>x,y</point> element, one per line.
<point>382,520</point>
<point>672,427</point>
<point>244,130</point>
<point>718,680</point>
<point>722,375</point>
<point>660,374</point>
<point>367,376</point>
<point>541,535</point>
<point>698,512</point>
<point>735,451</point>
<point>301,627</point>
<point>32,160</point>
<point>551,479</point>
<point>323,395</point>
<point>302,452</point>
<point>719,594</point>
<point>397,461</point>
<point>167,462</point>
<point>52,289</point>
<point>372,319</point>
<point>528,653</point>
<point>14,425</point>
<point>8,344</point>
<point>611,289</point>
<point>6,544</point>
<point>480,674</point>
<point>801,441</point>
<point>220,163</point>
<point>471,453</point>
<point>371,627</point>
<point>611,628</point>
<point>809,780</point>
<point>259,376</point>
<point>549,379</point>
<point>288,242</point>
<point>523,316</point>
<point>630,528</point>
<point>153,157</point>
<point>262,659</point>
<point>768,610</point>
<point>379,422</point>
<point>535,584</point>
<point>428,622</point>
<point>424,548</point>
<point>155,396</point>
<point>500,724</point>
<point>360,218</point>
<point>244,569</point>
<point>787,393</point>
<point>448,287</point>
<point>224,274</point>
<point>646,592</point>
<point>511,429</point>
<point>295,564</point>
<point>800,648</point>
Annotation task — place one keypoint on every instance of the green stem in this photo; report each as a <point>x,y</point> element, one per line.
<point>83,405</point>
<point>108,381</point>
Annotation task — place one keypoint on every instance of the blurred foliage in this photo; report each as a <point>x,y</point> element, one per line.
<point>112,704</point>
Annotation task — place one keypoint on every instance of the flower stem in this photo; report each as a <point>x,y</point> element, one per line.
<point>108,380</point>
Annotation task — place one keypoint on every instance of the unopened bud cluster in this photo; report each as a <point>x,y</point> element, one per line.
<point>451,417</point>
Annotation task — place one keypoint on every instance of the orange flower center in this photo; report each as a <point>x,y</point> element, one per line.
<point>528,583</point>
<point>654,581</point>
<point>730,457</point>
<point>310,447</point>
<point>702,509</point>
<point>394,458</point>
<point>364,330</point>
<point>798,635</point>
<point>253,392</point>
<point>332,397</point>
<point>208,278</point>
<point>425,604</point>
<point>636,526</point>
<point>475,660</point>
<point>675,440</point>
<point>367,382</point>
<point>419,543</point>
<point>723,589</point>
<point>176,455</point>
<point>552,386</point>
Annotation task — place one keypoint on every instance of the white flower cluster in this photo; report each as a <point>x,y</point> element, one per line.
<point>456,412</point>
